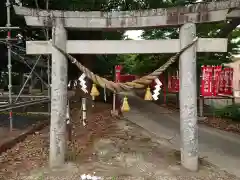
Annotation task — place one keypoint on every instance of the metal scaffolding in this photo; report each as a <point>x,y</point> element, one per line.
<point>12,52</point>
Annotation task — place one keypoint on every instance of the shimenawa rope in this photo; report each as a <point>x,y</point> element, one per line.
<point>127,86</point>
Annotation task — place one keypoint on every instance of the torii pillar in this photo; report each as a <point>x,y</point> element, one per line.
<point>59,96</point>
<point>188,99</point>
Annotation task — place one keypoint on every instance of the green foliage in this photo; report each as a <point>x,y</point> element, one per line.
<point>129,63</point>
<point>230,112</point>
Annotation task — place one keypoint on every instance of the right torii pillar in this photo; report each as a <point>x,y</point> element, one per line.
<point>188,99</point>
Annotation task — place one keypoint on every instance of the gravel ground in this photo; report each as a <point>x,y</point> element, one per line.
<point>108,148</point>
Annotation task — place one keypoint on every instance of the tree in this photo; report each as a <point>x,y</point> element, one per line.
<point>138,63</point>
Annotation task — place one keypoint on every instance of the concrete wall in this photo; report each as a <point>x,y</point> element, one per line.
<point>218,103</point>
<point>236,78</point>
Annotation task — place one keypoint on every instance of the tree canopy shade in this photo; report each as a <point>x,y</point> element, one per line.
<point>137,64</point>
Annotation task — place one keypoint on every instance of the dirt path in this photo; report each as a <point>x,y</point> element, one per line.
<point>109,148</point>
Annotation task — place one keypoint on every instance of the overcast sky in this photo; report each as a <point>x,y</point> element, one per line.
<point>134,34</point>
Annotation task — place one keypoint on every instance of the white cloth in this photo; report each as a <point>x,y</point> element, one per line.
<point>68,121</point>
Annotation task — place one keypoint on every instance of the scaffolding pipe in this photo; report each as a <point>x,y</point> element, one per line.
<point>24,105</point>
<point>30,75</point>
<point>26,60</point>
<point>14,45</point>
<point>9,62</point>
<point>3,102</point>
<point>23,96</point>
<point>8,27</point>
<point>8,39</point>
<point>36,74</point>
<point>10,105</point>
<point>21,103</point>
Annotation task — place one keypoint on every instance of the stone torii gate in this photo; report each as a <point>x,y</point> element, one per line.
<point>59,20</point>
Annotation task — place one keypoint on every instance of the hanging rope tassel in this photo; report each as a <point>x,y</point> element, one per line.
<point>148,95</point>
<point>94,93</point>
<point>125,106</point>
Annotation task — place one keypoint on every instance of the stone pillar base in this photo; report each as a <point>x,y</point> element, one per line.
<point>189,162</point>
<point>114,113</point>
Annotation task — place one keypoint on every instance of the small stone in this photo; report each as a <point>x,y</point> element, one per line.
<point>89,176</point>
<point>95,178</point>
<point>83,176</point>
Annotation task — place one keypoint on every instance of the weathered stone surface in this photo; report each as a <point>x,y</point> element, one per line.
<point>198,13</point>
<point>130,46</point>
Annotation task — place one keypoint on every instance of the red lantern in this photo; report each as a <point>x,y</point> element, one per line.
<point>118,69</point>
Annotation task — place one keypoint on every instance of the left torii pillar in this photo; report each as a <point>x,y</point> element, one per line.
<point>58,96</point>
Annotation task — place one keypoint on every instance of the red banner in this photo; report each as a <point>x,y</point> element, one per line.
<point>206,82</point>
<point>225,82</point>
<point>221,83</point>
<point>127,78</point>
<point>230,83</point>
<point>173,83</point>
<point>216,81</point>
<point>216,76</point>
